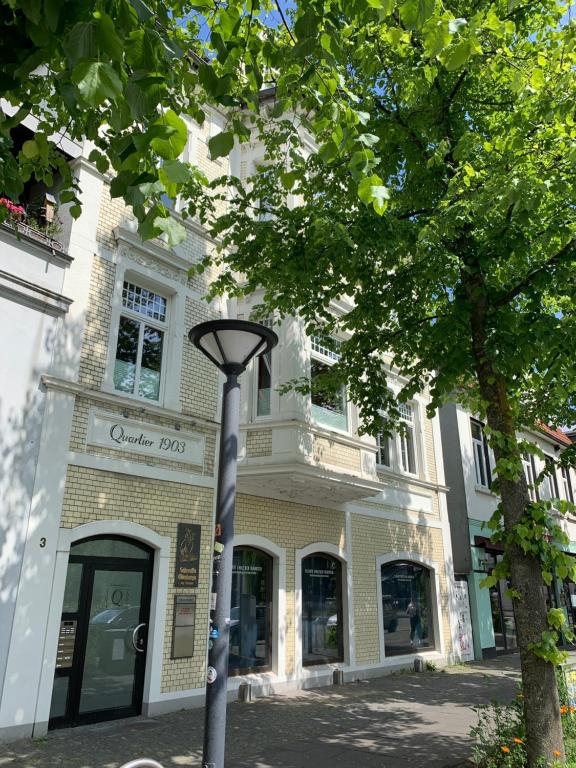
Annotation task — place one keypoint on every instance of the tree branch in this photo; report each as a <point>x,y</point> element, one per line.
<point>568,251</point>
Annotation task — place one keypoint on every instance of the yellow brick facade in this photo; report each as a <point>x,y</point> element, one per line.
<point>335,453</point>
<point>258,443</point>
<point>371,538</point>
<point>92,495</point>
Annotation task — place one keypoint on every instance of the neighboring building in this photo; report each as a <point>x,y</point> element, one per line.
<point>342,550</point>
<point>469,466</point>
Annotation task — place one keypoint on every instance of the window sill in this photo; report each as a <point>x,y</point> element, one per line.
<point>484,490</point>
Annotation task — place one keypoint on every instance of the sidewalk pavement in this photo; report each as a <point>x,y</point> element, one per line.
<point>389,722</point>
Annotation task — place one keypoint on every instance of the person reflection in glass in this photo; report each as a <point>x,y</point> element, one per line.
<point>413,613</point>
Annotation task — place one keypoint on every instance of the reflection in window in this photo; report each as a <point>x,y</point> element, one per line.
<point>406,608</point>
<point>321,610</point>
<point>250,612</point>
<point>328,406</point>
<point>264,373</point>
<point>549,487</point>
<point>138,363</point>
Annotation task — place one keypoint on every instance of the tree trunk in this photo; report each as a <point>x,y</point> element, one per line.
<point>541,703</point>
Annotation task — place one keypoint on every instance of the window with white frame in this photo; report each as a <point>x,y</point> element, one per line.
<point>530,474</point>
<point>263,365</point>
<point>567,484</point>
<point>406,439</point>
<point>549,486</point>
<point>481,456</point>
<point>140,343</point>
<point>383,450</point>
<point>329,406</point>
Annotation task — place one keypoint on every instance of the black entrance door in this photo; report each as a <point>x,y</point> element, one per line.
<point>103,633</point>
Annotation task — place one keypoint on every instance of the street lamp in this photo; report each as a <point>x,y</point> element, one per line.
<point>230,345</point>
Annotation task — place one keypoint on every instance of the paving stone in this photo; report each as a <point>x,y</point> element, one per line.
<point>390,722</point>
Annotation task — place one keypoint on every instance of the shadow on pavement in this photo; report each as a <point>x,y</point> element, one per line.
<point>400,720</point>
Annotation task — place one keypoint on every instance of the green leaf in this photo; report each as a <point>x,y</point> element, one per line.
<point>174,231</point>
<point>30,149</point>
<point>386,6</point>
<point>108,39</point>
<point>221,144</point>
<point>414,13</point>
<point>457,55</point>
<point>170,147</point>
<point>81,43</point>
<point>288,179</point>
<point>52,10</point>
<point>32,9</point>
<point>372,191</point>
<point>96,82</point>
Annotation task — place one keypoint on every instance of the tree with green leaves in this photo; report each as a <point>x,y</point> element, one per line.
<point>437,193</point>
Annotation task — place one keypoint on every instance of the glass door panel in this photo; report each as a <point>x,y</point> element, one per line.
<point>111,658</point>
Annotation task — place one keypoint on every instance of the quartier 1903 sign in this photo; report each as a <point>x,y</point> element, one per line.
<point>113,431</point>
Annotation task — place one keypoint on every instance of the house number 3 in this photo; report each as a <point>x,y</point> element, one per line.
<point>42,543</point>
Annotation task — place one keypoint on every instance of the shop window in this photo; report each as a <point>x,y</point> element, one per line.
<point>322,635</point>
<point>250,612</point>
<point>140,342</point>
<point>407,610</point>
<point>481,457</point>
<point>406,439</point>
<point>329,406</point>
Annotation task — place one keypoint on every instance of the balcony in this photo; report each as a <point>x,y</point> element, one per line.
<point>305,464</point>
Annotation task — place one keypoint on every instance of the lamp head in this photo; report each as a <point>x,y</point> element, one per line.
<point>231,344</point>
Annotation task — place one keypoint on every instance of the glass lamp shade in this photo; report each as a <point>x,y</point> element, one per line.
<point>231,344</point>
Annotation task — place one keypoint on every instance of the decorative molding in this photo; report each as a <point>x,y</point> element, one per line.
<point>133,241</point>
<point>138,469</point>
<point>146,409</point>
<point>34,296</point>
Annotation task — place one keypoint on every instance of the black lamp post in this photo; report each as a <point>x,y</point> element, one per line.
<point>230,345</point>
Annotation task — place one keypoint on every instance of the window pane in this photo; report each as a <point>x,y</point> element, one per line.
<point>321,610</point>
<point>250,614</point>
<point>149,383</point>
<point>328,407</point>
<point>406,608</point>
<point>110,548</point>
<point>126,354</point>
<point>143,301</point>
<point>407,454</point>
<point>72,591</point>
<point>383,454</point>
<point>264,363</point>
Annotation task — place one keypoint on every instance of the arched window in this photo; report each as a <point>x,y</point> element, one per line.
<point>407,608</point>
<point>250,612</point>
<point>322,637</point>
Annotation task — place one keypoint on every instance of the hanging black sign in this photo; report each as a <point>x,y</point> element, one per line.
<point>187,555</point>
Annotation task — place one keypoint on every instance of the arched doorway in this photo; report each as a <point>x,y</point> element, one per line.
<point>101,653</point>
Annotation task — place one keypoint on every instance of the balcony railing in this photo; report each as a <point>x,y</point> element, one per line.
<point>34,233</point>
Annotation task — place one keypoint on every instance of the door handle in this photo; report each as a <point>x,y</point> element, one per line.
<point>134,639</point>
